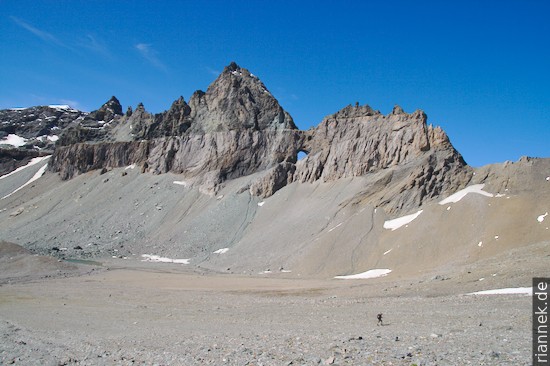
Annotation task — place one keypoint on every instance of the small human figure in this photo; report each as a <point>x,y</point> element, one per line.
<point>379,317</point>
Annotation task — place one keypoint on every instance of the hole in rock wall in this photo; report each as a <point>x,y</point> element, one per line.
<point>301,155</point>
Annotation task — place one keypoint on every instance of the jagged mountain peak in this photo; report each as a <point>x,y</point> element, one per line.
<point>178,103</point>
<point>237,100</point>
<point>350,111</point>
<point>239,120</point>
<point>114,105</point>
<point>107,111</point>
<point>232,67</point>
<point>236,71</point>
<point>397,110</point>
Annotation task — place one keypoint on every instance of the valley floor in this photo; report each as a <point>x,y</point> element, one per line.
<point>128,313</point>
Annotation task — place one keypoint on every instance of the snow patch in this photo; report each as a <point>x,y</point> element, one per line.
<point>133,166</point>
<point>62,107</point>
<point>37,175</point>
<point>480,244</point>
<point>541,217</point>
<point>180,183</point>
<point>400,221</point>
<point>53,138</point>
<point>505,291</point>
<point>221,251</point>
<point>261,203</point>
<point>33,161</point>
<point>14,140</point>
<point>387,251</point>
<point>476,188</point>
<point>157,259</point>
<point>373,273</point>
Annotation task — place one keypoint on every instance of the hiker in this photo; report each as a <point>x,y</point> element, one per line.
<point>379,317</point>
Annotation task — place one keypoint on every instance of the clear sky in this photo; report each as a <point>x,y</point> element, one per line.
<point>479,69</point>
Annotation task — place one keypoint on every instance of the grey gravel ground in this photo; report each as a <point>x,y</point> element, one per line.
<point>149,314</point>
<point>167,314</point>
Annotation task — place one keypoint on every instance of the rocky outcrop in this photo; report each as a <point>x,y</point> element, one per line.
<point>415,161</point>
<point>233,153</point>
<point>38,127</point>
<point>273,180</point>
<point>173,122</point>
<point>80,158</point>
<point>233,129</point>
<point>237,128</point>
<point>13,158</point>
<point>359,140</point>
<point>95,126</point>
<point>237,100</point>
<point>108,111</point>
<point>212,157</point>
<point>405,161</point>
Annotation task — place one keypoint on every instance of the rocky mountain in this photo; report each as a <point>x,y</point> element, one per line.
<point>194,179</point>
<point>37,127</point>
<point>237,128</point>
<point>418,161</point>
<point>30,132</point>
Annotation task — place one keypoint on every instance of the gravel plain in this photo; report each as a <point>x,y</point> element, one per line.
<point>135,313</point>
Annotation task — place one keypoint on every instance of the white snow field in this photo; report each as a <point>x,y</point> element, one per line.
<point>373,273</point>
<point>476,188</point>
<point>221,251</point>
<point>401,221</point>
<point>159,259</point>
<point>14,140</point>
<point>37,175</point>
<point>33,161</point>
<point>505,291</point>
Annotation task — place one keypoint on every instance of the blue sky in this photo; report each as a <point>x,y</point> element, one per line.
<point>479,69</point>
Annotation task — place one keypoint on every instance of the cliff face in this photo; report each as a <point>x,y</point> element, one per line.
<point>80,158</point>
<point>237,128</point>
<point>410,159</point>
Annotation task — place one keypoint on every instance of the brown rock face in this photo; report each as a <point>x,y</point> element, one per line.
<point>237,128</point>
<point>233,153</point>
<point>359,140</point>
<point>237,100</point>
<point>76,159</point>
<point>408,160</point>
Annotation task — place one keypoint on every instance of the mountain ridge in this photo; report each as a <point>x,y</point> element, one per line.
<point>217,182</point>
<point>237,128</point>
